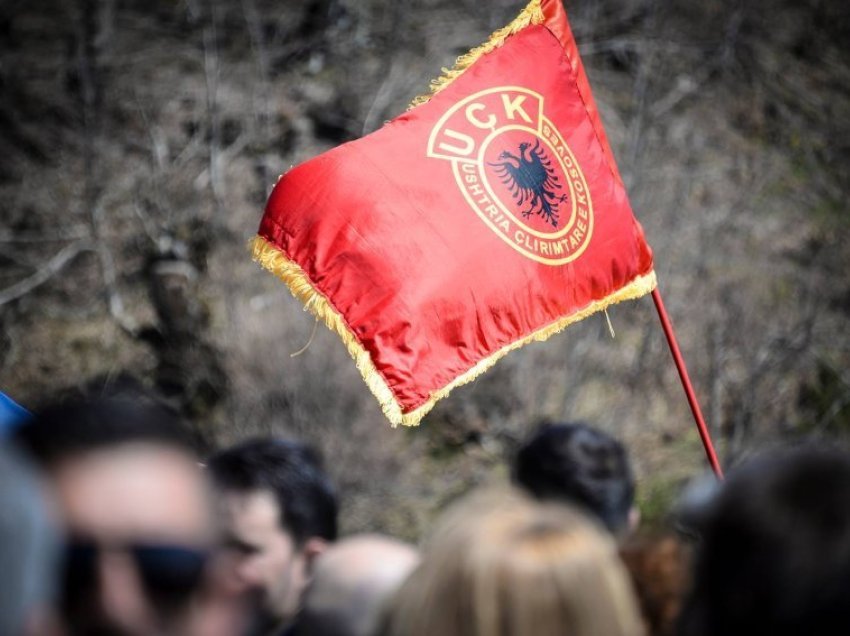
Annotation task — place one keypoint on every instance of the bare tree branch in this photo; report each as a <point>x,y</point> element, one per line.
<point>43,236</point>
<point>44,274</point>
<point>211,77</point>
<point>262,111</point>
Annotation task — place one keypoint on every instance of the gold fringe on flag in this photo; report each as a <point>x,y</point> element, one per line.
<point>273,260</point>
<point>532,14</point>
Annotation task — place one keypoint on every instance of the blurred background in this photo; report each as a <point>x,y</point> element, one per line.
<point>139,140</point>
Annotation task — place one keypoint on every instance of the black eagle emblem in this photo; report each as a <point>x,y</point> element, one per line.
<point>532,181</point>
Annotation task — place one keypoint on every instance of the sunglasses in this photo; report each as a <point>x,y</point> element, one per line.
<point>169,573</point>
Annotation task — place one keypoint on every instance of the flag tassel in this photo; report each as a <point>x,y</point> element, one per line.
<point>686,383</point>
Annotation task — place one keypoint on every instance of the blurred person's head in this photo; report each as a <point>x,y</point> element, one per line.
<point>694,503</point>
<point>137,512</point>
<point>351,583</point>
<point>775,551</point>
<point>29,550</point>
<point>578,464</point>
<point>501,564</point>
<point>280,514</point>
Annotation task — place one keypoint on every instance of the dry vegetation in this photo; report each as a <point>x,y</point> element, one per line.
<point>138,141</point>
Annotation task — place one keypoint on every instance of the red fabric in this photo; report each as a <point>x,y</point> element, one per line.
<point>389,230</point>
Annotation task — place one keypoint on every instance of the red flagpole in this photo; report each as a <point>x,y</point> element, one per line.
<point>686,383</point>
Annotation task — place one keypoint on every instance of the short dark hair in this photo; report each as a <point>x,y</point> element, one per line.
<point>775,553</point>
<point>293,473</point>
<point>69,427</point>
<point>579,464</point>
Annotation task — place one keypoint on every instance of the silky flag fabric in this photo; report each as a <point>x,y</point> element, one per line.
<point>488,215</point>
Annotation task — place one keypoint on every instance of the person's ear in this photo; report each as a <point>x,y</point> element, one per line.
<point>313,549</point>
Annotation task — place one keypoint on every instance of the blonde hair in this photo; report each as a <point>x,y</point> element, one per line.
<point>502,565</point>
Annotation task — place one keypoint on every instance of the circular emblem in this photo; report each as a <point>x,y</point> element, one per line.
<point>517,173</point>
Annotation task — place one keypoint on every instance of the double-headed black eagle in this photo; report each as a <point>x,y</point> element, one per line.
<point>532,180</point>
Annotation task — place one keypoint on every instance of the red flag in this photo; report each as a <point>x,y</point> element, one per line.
<point>489,215</point>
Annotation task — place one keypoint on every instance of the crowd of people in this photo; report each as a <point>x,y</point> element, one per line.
<point>113,522</point>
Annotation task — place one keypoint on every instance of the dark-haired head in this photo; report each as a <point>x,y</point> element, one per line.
<point>280,513</point>
<point>775,553</point>
<point>136,508</point>
<point>292,472</point>
<point>580,465</point>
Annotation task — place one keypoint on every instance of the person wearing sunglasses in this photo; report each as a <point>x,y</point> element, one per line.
<point>141,553</point>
